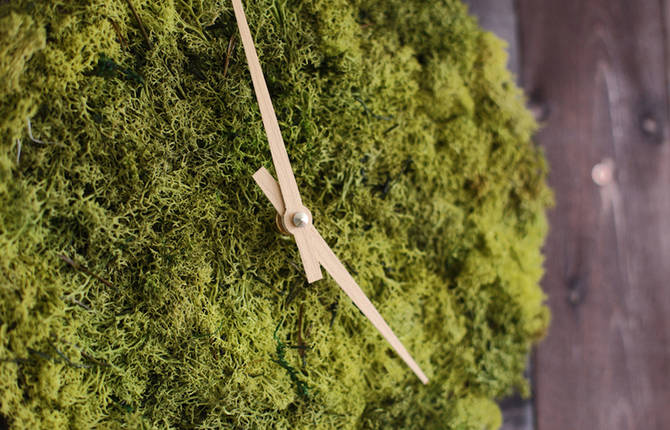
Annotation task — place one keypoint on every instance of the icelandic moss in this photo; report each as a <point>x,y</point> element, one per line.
<point>432,194</point>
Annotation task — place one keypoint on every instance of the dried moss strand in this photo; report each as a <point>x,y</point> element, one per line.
<point>140,24</point>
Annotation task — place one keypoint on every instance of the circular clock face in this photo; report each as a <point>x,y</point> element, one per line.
<point>144,281</point>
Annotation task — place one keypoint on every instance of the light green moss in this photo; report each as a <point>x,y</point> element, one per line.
<point>410,144</point>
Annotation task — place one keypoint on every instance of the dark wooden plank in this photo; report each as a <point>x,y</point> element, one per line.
<point>499,17</point>
<point>518,413</point>
<point>596,72</point>
<point>665,6</point>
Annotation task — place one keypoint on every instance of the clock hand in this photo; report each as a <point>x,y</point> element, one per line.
<point>295,216</point>
<point>332,264</point>
<point>337,270</point>
<point>270,188</point>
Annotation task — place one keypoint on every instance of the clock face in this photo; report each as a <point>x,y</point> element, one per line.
<point>144,282</point>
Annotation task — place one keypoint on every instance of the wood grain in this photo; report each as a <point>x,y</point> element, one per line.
<point>597,74</point>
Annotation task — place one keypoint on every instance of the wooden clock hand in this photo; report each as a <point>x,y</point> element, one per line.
<point>296,216</point>
<point>332,264</point>
<point>337,270</point>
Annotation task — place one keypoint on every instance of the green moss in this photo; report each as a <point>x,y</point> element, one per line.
<point>432,194</point>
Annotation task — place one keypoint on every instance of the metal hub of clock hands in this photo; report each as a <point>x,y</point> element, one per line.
<point>295,217</point>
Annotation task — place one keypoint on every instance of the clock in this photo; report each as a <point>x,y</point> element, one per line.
<point>144,281</point>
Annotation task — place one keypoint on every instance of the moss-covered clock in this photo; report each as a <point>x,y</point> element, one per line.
<point>141,283</point>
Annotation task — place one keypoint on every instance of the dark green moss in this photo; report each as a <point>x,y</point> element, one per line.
<point>410,144</point>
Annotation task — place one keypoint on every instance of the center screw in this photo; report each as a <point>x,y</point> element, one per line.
<point>300,219</point>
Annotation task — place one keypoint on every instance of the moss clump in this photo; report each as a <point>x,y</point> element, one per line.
<point>142,284</point>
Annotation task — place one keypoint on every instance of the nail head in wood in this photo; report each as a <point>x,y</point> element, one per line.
<point>603,172</point>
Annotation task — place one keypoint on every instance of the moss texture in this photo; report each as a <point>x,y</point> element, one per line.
<point>142,281</point>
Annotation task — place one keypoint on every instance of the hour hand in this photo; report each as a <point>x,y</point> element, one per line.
<point>300,232</point>
<point>332,264</point>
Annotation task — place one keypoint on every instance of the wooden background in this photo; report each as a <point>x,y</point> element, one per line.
<point>596,73</point>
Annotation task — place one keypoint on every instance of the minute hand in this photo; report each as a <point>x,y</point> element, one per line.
<point>332,264</point>
<point>287,183</point>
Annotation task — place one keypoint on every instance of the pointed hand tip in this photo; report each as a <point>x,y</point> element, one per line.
<point>423,378</point>
<point>314,277</point>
